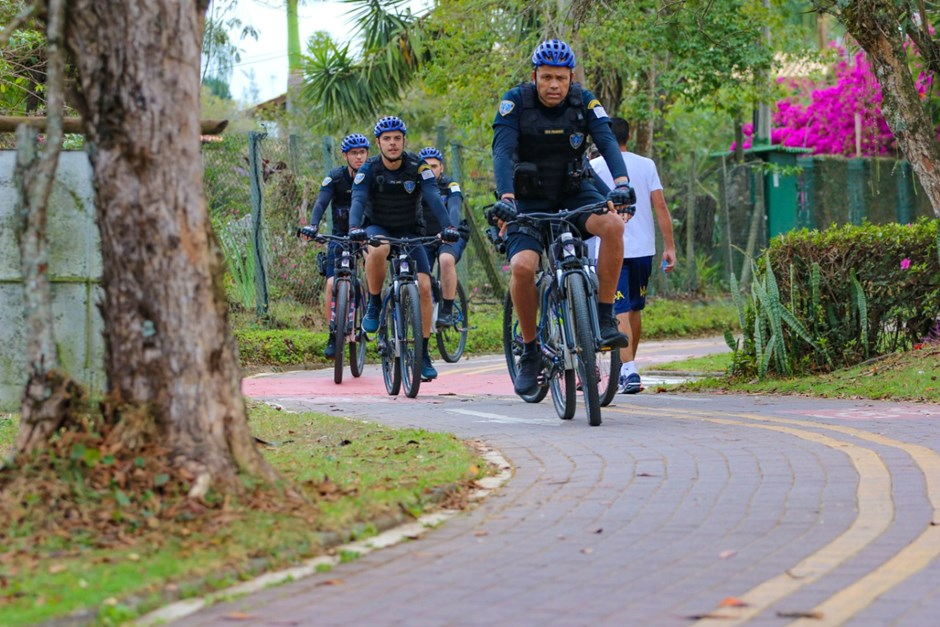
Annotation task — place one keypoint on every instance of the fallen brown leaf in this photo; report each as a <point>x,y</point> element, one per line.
<point>732,602</point>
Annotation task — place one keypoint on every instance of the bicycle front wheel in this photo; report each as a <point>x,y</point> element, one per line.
<point>411,347</point>
<point>512,347</point>
<point>389,347</point>
<point>561,379</point>
<point>340,319</point>
<point>452,340</point>
<point>357,345</point>
<point>584,347</point>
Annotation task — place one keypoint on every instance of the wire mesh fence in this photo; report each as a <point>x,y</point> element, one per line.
<point>261,187</point>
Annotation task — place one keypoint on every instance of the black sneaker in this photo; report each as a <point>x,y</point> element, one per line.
<point>611,335</point>
<point>331,346</point>
<point>527,377</point>
<point>445,319</point>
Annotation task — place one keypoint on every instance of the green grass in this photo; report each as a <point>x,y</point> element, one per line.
<point>298,345</point>
<point>907,376</point>
<point>714,364</point>
<point>354,473</point>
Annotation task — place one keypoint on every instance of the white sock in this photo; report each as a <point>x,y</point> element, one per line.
<point>628,368</point>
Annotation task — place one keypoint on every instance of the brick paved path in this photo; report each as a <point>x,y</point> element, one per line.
<point>673,505</point>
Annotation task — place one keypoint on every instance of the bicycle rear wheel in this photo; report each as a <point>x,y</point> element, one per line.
<point>389,347</point>
<point>512,348</point>
<point>608,370</point>
<point>357,345</point>
<point>585,347</point>
<point>561,380</point>
<point>340,320</point>
<point>452,340</point>
<point>411,348</point>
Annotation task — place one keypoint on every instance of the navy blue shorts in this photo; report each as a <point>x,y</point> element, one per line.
<point>332,252</point>
<point>417,252</point>
<point>519,241</point>
<point>631,287</point>
<point>456,249</point>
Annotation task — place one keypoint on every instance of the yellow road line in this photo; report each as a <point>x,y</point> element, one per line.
<point>875,513</point>
<point>908,561</point>
<point>474,370</point>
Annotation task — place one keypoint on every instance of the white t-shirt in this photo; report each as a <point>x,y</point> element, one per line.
<point>639,238</point>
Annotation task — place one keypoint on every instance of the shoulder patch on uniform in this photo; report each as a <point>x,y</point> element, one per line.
<point>360,177</point>
<point>594,103</point>
<point>326,181</point>
<point>454,188</point>
<point>599,111</point>
<point>506,107</point>
<point>426,172</point>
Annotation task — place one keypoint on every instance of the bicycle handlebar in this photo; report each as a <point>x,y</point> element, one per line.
<point>534,217</point>
<point>378,240</point>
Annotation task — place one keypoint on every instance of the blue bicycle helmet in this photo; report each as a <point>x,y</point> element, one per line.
<point>553,52</point>
<point>431,153</point>
<point>356,140</point>
<point>388,124</point>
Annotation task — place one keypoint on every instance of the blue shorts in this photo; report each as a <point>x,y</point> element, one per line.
<point>631,287</point>
<point>518,241</point>
<point>436,248</point>
<point>332,252</point>
<point>417,252</point>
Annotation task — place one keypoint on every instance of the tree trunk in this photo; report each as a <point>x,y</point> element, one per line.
<point>49,395</point>
<point>171,362</point>
<point>875,25</point>
<point>643,138</point>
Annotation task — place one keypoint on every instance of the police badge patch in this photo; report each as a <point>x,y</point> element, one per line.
<point>359,178</point>
<point>326,181</point>
<point>506,107</point>
<point>409,186</point>
<point>576,139</point>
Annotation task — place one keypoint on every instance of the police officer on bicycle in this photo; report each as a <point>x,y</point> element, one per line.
<point>539,138</point>
<point>336,191</point>
<point>386,200</point>
<point>447,254</point>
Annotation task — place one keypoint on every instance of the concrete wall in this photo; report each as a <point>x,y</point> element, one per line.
<point>75,271</point>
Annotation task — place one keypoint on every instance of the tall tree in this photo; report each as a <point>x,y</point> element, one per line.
<point>171,362</point>
<point>882,28</point>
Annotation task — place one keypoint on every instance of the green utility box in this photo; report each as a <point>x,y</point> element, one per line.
<point>781,191</point>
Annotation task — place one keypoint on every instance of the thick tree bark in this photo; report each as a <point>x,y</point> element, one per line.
<point>643,144</point>
<point>875,25</point>
<point>49,395</point>
<point>171,362</point>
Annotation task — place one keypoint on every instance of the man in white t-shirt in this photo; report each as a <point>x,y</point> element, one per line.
<point>639,248</point>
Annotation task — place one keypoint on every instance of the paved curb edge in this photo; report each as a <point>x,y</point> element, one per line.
<point>390,537</point>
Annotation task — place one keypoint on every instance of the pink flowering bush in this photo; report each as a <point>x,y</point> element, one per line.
<point>822,116</point>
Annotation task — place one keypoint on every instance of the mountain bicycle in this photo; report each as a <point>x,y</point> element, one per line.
<point>349,299</point>
<point>568,329</point>
<point>452,339</point>
<point>400,340</point>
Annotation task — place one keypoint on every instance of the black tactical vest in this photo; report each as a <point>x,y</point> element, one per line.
<point>395,196</point>
<point>431,224</point>
<point>342,199</point>
<point>554,143</point>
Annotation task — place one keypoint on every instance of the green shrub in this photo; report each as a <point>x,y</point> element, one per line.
<point>822,300</point>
